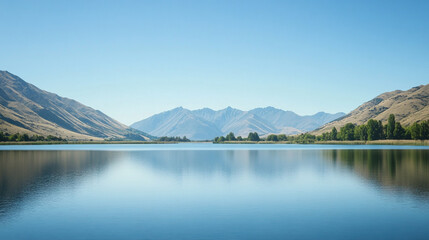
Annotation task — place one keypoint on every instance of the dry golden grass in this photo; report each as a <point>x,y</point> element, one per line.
<point>408,107</point>
<point>27,109</point>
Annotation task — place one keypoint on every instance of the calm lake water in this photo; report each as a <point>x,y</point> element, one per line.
<point>205,191</point>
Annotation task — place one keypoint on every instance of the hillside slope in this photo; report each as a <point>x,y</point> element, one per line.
<point>178,122</point>
<point>408,107</point>
<point>25,108</point>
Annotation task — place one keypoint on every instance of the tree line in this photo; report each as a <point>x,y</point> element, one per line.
<point>375,130</point>
<point>253,136</point>
<point>372,130</point>
<point>17,137</point>
<point>173,139</point>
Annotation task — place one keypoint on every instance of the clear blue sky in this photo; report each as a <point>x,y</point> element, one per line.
<point>132,59</point>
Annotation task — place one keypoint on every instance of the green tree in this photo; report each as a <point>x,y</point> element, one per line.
<point>415,131</point>
<point>305,138</point>
<point>326,136</point>
<point>272,138</point>
<point>282,137</point>
<point>230,137</point>
<point>381,133</point>
<point>347,132</point>
<point>375,130</point>
<point>13,137</point>
<point>20,138</point>
<point>41,138</point>
<point>361,132</point>
<point>390,127</point>
<point>424,130</point>
<point>398,132</point>
<point>250,136</point>
<point>253,136</point>
<point>25,137</point>
<point>334,133</point>
<point>407,133</point>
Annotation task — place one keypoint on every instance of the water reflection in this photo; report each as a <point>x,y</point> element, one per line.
<point>397,170</point>
<point>206,194</point>
<point>266,164</point>
<point>23,174</point>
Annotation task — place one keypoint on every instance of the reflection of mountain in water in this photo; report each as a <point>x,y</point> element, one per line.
<point>24,174</point>
<point>267,163</point>
<point>399,170</point>
<point>396,169</point>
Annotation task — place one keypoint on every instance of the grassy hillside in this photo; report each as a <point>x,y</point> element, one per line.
<point>26,109</point>
<point>408,107</point>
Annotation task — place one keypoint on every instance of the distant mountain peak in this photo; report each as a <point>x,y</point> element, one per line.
<point>205,123</point>
<point>271,108</point>
<point>229,108</point>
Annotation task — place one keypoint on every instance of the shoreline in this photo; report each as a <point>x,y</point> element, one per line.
<point>357,142</point>
<point>84,142</point>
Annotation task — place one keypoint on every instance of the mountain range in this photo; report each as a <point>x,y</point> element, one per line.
<point>24,108</point>
<point>408,107</point>
<point>203,124</point>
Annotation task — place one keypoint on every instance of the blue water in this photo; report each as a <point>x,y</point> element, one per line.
<point>199,146</point>
<point>206,191</point>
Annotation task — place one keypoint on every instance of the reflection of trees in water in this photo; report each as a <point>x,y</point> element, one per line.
<point>399,169</point>
<point>26,173</point>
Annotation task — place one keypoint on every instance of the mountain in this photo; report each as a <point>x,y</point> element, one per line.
<point>178,122</point>
<point>25,108</point>
<point>408,107</point>
<point>206,123</point>
<point>236,121</point>
<point>281,119</point>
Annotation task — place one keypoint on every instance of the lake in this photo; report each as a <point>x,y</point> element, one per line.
<point>214,191</point>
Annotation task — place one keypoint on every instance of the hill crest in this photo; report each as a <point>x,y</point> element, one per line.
<point>24,108</point>
<point>408,107</point>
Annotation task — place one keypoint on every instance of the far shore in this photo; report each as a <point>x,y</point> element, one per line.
<point>357,142</point>
<point>82,142</point>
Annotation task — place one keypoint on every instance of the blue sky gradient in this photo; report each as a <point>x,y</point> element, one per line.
<point>132,59</point>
